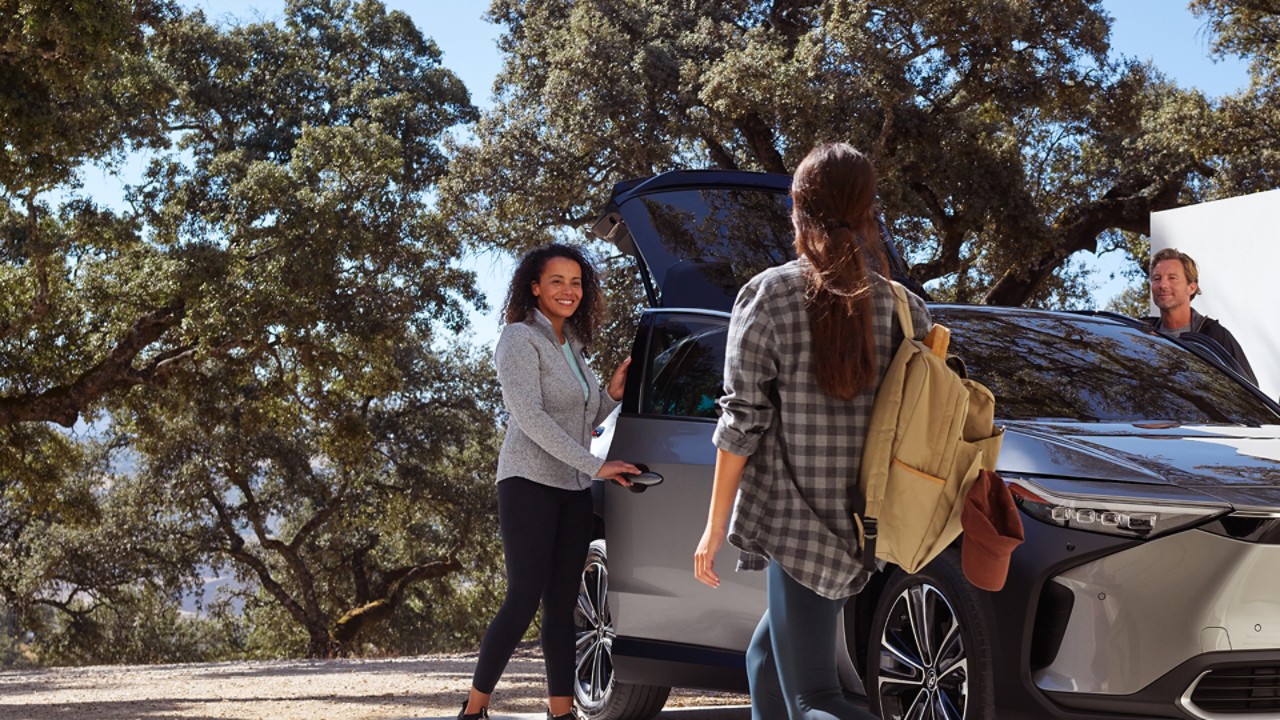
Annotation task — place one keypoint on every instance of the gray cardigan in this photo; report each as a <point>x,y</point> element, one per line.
<point>549,431</point>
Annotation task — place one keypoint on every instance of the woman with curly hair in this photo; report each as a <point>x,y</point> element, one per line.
<point>809,342</point>
<point>554,308</point>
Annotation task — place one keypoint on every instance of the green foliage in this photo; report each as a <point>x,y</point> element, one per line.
<point>257,339</point>
<point>94,561</point>
<point>75,85</point>
<point>1251,118</point>
<point>1249,28</point>
<point>143,626</point>
<point>1006,139</point>
<point>1134,301</point>
<point>272,633</point>
<point>15,650</point>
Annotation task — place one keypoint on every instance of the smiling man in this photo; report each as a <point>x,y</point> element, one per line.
<point>1175,280</point>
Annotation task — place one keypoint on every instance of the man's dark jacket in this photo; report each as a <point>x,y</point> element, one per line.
<point>1212,328</point>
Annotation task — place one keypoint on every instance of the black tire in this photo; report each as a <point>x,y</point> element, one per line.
<point>930,651</point>
<point>600,696</point>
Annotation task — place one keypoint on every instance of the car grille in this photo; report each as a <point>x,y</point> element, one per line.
<point>1239,690</point>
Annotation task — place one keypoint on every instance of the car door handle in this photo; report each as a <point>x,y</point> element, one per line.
<point>644,481</point>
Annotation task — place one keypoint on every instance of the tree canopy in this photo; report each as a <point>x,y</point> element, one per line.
<point>255,352</point>
<point>1006,138</point>
<point>1251,119</point>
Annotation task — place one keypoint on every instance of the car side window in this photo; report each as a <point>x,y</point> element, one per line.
<point>684,370</point>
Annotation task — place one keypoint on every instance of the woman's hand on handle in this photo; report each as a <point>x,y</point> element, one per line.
<point>617,471</point>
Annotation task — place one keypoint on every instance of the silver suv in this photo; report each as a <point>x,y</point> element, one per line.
<point>1146,469</point>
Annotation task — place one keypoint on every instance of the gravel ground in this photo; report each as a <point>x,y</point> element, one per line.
<point>417,688</point>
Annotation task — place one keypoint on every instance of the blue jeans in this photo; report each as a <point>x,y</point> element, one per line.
<point>791,663</point>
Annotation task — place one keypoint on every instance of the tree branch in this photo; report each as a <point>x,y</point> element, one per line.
<point>349,625</point>
<point>235,548</point>
<point>951,230</point>
<point>719,155</point>
<point>64,404</point>
<point>1079,227</point>
<point>762,141</point>
<point>287,552</point>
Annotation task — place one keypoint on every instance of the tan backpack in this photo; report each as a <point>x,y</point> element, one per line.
<point>931,431</point>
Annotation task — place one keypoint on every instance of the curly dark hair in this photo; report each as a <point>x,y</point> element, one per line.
<point>520,302</point>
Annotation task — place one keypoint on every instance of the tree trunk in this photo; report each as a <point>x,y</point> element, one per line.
<point>321,646</point>
<point>393,588</point>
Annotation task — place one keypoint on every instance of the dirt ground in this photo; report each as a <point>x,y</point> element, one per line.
<point>417,688</point>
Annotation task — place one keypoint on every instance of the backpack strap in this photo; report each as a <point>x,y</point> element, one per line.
<point>869,523</point>
<point>938,339</point>
<point>903,307</point>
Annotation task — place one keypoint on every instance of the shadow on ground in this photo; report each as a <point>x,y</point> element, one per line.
<point>733,712</point>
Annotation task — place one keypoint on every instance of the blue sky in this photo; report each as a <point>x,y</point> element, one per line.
<point>1177,42</point>
<point>1162,31</point>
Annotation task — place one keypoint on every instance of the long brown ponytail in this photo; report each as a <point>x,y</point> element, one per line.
<point>833,210</point>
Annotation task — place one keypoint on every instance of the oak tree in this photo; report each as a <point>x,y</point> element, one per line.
<point>262,333</point>
<point>1007,139</point>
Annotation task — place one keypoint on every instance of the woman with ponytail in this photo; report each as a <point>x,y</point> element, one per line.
<point>808,344</point>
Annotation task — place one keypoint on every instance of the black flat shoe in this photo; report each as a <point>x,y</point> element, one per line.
<point>482,715</point>
<point>566,716</point>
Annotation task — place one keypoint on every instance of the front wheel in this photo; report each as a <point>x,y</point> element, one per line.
<point>930,654</point>
<point>601,696</point>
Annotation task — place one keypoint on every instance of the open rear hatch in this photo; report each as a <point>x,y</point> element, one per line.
<point>698,235</point>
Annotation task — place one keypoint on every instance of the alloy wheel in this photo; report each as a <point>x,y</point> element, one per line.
<point>924,669</point>
<point>594,627</point>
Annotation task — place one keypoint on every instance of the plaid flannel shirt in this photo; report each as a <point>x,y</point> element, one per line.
<point>800,485</point>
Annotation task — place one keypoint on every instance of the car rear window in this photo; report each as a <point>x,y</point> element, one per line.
<point>1076,367</point>
<point>710,241</point>
<point>701,244</point>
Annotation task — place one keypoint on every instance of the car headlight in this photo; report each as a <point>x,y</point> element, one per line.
<point>1111,508</point>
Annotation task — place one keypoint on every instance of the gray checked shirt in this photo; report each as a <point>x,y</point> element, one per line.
<point>800,487</point>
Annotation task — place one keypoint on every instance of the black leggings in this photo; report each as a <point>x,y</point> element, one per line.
<point>545,535</point>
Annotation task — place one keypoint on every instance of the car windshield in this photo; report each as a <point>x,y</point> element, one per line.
<point>1077,367</point>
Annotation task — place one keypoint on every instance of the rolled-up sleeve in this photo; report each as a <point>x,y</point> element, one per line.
<point>750,369</point>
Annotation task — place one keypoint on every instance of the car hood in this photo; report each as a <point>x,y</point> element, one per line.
<point>1237,465</point>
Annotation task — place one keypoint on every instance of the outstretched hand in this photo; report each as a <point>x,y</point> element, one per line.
<point>618,382</point>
